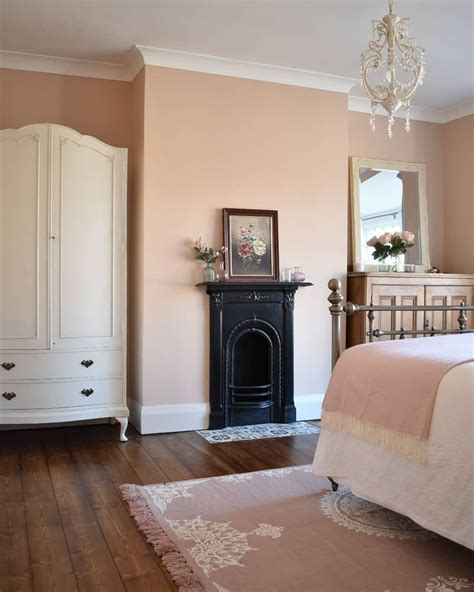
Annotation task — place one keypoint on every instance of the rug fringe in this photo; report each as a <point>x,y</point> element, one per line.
<point>164,547</point>
<point>398,442</point>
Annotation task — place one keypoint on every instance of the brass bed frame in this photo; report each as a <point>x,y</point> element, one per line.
<point>337,309</point>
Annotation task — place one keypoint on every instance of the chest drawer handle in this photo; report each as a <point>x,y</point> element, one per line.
<point>8,365</point>
<point>87,363</point>
<point>9,396</point>
<point>87,392</point>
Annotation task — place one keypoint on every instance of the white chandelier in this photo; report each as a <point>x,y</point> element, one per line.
<point>392,68</point>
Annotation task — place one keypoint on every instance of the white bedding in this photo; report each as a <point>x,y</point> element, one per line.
<point>438,495</point>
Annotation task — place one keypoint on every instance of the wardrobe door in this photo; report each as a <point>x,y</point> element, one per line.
<point>23,238</point>
<point>88,183</point>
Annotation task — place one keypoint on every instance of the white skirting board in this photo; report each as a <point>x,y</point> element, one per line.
<point>156,419</point>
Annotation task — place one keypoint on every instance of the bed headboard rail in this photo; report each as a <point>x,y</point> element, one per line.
<point>337,308</point>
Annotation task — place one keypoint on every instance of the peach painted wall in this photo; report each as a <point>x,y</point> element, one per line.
<point>89,105</point>
<point>423,144</point>
<point>458,138</point>
<point>214,142</point>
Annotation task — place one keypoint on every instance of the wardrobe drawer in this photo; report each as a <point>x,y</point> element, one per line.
<point>50,395</point>
<point>50,365</point>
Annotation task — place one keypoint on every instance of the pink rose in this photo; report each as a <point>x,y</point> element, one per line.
<point>398,233</point>
<point>245,250</point>
<point>408,236</point>
<point>385,238</point>
<point>372,242</point>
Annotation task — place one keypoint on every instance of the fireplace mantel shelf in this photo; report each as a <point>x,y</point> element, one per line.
<point>226,286</point>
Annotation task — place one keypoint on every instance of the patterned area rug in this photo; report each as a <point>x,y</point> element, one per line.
<point>258,432</point>
<point>283,531</point>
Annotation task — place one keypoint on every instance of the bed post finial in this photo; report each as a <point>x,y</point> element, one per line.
<point>462,318</point>
<point>336,309</point>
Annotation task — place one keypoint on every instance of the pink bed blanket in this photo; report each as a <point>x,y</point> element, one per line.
<point>385,392</point>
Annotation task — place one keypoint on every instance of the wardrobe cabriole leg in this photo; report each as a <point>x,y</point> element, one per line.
<point>123,421</point>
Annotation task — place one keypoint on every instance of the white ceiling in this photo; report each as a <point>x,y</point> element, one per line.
<point>324,36</point>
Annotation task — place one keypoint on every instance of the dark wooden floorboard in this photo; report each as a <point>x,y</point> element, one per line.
<point>101,472</point>
<point>15,563</point>
<point>147,469</point>
<point>171,465</point>
<point>63,524</point>
<point>51,563</point>
<point>93,564</point>
<point>275,452</point>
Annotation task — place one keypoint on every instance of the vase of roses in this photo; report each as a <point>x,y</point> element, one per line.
<point>209,256</point>
<point>392,245</point>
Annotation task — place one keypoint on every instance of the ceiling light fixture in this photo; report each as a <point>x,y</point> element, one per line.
<point>392,68</point>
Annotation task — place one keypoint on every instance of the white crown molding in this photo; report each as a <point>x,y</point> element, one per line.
<point>458,111</point>
<point>133,63</point>
<point>150,56</point>
<point>53,65</point>
<point>181,60</point>
<point>140,56</point>
<point>362,105</point>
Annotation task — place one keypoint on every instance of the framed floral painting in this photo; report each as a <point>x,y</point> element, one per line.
<point>251,241</point>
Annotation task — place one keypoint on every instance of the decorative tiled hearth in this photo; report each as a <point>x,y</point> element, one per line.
<point>258,432</point>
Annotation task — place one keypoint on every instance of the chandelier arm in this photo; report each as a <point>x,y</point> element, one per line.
<point>412,57</point>
<point>408,94</point>
<point>377,91</point>
<point>400,33</point>
<point>371,61</point>
<point>379,42</point>
<point>407,89</point>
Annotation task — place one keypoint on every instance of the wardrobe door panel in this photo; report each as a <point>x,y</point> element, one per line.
<point>87,252</point>
<point>23,238</point>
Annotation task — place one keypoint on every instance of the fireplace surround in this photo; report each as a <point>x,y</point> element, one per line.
<point>251,352</point>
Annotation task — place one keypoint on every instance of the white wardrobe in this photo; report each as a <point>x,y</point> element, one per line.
<point>62,277</point>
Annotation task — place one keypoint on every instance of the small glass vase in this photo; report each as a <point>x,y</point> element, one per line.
<point>209,273</point>
<point>298,275</point>
<point>398,264</point>
<point>221,273</point>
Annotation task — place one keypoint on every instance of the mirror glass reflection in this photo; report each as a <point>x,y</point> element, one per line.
<point>389,202</point>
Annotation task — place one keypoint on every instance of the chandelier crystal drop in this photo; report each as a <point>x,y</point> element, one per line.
<point>392,68</point>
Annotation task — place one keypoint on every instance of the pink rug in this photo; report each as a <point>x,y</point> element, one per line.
<point>284,531</point>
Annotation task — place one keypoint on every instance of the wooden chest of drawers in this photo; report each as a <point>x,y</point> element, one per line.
<point>406,289</point>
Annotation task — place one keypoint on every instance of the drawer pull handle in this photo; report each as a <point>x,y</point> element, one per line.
<point>8,365</point>
<point>87,392</point>
<point>87,363</point>
<point>9,396</point>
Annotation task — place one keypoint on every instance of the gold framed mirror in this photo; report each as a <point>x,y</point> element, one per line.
<point>388,196</point>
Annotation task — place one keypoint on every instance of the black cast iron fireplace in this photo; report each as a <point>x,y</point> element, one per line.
<point>251,353</point>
